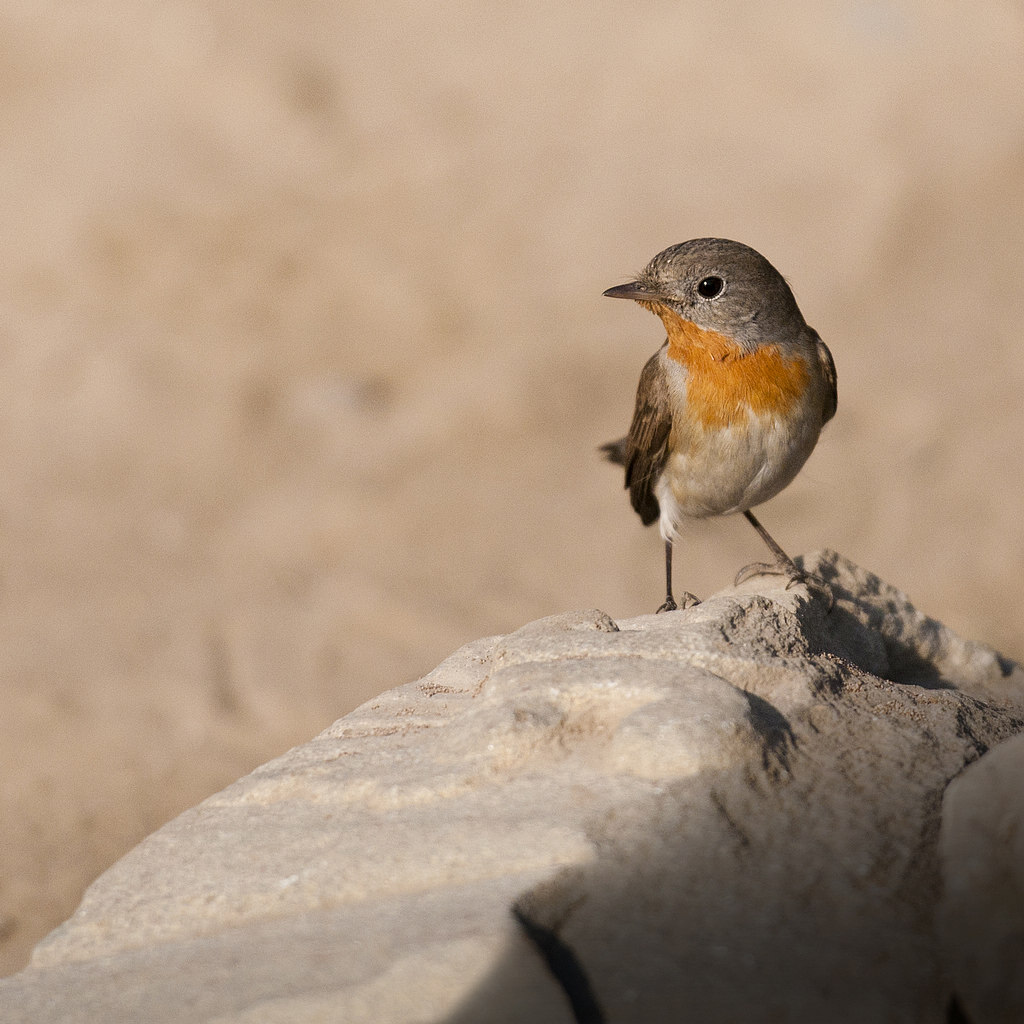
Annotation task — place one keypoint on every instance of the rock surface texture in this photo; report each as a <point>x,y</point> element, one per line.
<point>757,809</point>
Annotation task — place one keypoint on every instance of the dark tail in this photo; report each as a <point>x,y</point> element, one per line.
<point>615,451</point>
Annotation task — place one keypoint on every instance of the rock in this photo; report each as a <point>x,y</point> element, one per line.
<point>725,813</point>
<point>982,915</point>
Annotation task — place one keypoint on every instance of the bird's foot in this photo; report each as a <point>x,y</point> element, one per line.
<point>794,574</point>
<point>688,599</point>
<point>748,572</point>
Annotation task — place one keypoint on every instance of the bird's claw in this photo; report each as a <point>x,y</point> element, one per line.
<point>794,576</point>
<point>762,569</point>
<point>689,601</point>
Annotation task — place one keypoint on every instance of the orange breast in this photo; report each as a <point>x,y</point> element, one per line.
<point>726,383</point>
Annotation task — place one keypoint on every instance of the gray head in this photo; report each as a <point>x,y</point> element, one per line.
<point>721,286</point>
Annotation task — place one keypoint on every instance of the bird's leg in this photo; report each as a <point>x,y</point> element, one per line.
<point>670,602</point>
<point>782,566</point>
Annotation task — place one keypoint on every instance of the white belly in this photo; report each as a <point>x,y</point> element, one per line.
<point>732,469</point>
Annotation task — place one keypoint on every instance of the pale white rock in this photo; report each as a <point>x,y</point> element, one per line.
<point>727,813</point>
<point>982,918</point>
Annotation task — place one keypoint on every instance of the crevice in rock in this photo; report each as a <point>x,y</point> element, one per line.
<point>955,1012</point>
<point>564,966</point>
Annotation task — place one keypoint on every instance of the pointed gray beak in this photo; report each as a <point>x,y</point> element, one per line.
<point>633,290</point>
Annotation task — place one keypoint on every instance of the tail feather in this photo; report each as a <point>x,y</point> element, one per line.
<point>615,451</point>
<point>641,495</point>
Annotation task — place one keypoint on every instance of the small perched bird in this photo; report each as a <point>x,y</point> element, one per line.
<point>731,405</point>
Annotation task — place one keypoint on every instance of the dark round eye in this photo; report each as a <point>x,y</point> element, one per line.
<point>710,287</point>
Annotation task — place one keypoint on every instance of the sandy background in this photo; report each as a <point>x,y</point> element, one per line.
<point>305,359</point>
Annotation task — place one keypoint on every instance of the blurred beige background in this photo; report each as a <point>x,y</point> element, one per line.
<point>305,359</point>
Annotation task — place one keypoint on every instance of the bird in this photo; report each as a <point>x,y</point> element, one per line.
<point>731,406</point>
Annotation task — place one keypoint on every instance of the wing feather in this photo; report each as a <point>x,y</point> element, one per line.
<point>644,450</point>
<point>828,369</point>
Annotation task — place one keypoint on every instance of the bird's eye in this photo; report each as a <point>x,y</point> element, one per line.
<point>710,287</point>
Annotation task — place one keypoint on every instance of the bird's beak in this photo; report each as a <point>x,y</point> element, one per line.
<point>632,290</point>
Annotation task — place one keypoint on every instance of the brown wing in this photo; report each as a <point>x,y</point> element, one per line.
<point>828,370</point>
<point>644,450</point>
